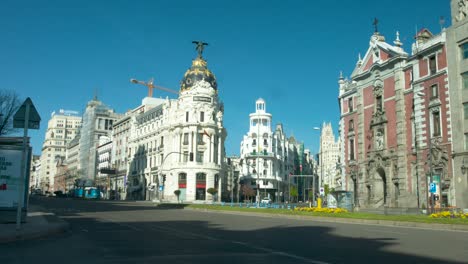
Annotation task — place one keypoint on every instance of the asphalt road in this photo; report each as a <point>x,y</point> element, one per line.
<point>138,232</point>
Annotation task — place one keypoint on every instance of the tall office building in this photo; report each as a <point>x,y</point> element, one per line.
<point>61,129</point>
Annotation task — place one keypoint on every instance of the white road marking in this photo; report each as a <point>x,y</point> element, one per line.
<point>267,250</point>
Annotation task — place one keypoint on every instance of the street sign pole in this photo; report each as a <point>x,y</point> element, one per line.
<point>23,170</point>
<point>26,117</point>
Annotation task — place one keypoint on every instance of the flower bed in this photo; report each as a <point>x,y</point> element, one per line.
<point>447,214</point>
<point>321,210</point>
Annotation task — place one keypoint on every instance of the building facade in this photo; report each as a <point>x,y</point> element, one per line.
<point>268,158</point>
<point>329,156</point>
<point>457,56</point>
<point>395,124</point>
<point>105,168</point>
<point>178,144</point>
<point>98,121</point>
<point>61,129</point>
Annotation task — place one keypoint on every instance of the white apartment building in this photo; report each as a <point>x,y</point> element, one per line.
<point>329,157</point>
<point>105,170</point>
<point>178,144</point>
<point>267,157</point>
<point>61,129</point>
<point>73,161</point>
<point>121,134</point>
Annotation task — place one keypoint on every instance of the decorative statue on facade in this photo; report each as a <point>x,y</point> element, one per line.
<point>379,140</point>
<point>462,10</point>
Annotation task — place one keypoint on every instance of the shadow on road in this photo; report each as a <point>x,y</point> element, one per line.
<point>170,240</point>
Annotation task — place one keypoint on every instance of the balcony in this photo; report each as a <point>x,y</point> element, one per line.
<point>260,154</point>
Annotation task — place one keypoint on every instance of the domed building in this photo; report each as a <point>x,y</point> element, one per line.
<point>178,144</point>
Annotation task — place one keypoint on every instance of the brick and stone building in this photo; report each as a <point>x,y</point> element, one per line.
<point>395,111</point>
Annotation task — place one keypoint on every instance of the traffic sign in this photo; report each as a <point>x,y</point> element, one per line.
<point>20,116</point>
<point>432,187</point>
<point>322,191</point>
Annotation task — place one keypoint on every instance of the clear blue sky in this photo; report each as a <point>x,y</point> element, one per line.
<point>288,52</point>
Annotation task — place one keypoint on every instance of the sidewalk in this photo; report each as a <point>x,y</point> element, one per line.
<point>39,223</point>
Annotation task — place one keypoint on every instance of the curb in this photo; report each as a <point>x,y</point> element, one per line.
<point>431,226</point>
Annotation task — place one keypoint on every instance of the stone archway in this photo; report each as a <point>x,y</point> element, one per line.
<point>380,188</point>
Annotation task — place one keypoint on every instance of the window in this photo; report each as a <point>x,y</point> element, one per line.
<point>432,65</point>
<point>465,80</point>
<point>185,156</point>
<point>254,142</point>
<point>436,122</point>
<point>351,125</point>
<point>185,142</point>
<point>351,149</point>
<point>466,141</point>
<point>201,177</point>
<point>200,139</point>
<point>434,91</point>
<point>465,110</point>
<point>202,116</point>
<point>464,50</point>
<point>350,104</point>
<point>182,178</point>
<point>264,172</point>
<point>199,156</point>
<point>186,116</point>
<point>161,143</point>
<point>265,182</point>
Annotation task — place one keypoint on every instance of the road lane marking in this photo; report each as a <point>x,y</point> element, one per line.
<point>267,250</point>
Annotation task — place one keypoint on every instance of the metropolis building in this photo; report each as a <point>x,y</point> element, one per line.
<point>178,144</point>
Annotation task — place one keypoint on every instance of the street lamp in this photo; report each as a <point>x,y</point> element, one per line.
<point>321,165</point>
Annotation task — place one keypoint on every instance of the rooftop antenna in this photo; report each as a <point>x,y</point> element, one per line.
<point>95,94</point>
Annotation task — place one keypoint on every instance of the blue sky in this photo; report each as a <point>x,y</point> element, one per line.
<point>290,53</point>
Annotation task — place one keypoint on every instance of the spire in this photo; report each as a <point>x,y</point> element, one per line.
<point>397,41</point>
<point>359,62</point>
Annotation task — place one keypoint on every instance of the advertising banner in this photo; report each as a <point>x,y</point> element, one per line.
<point>10,171</point>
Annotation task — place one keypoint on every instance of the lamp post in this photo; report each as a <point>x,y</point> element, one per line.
<point>321,163</point>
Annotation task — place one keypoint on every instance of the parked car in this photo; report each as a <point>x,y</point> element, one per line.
<point>266,200</point>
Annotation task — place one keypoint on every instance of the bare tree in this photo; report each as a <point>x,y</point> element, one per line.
<point>9,104</point>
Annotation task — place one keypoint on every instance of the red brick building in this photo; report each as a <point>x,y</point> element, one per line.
<point>391,107</point>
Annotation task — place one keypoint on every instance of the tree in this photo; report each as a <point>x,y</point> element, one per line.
<point>212,191</point>
<point>247,191</point>
<point>9,104</point>
<point>294,192</point>
<point>177,193</point>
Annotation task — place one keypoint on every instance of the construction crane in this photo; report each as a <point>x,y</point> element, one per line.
<point>151,86</point>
